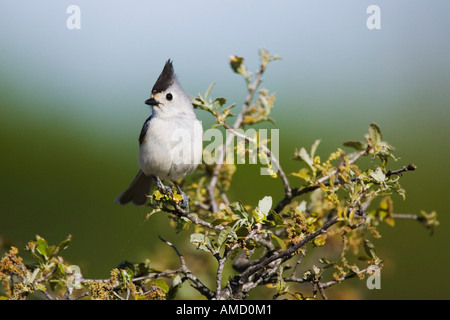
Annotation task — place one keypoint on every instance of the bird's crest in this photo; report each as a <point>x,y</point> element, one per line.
<point>165,79</point>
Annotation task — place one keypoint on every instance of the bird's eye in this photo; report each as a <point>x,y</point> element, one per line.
<point>169,96</point>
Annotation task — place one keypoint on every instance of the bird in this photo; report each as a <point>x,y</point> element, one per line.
<point>170,142</point>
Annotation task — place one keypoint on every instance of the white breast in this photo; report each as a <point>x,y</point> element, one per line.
<point>171,149</point>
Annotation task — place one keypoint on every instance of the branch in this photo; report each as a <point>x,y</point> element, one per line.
<point>180,212</point>
<point>325,285</point>
<point>302,190</point>
<point>220,267</point>
<point>410,167</point>
<point>428,221</point>
<point>183,269</point>
<point>288,252</point>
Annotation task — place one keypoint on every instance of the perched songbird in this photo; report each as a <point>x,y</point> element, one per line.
<point>170,143</point>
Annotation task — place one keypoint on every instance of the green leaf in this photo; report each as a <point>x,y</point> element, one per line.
<point>182,224</point>
<point>62,245</point>
<point>242,232</point>
<point>176,284</point>
<point>358,145</point>
<point>280,242</point>
<point>375,133</point>
<point>236,64</point>
<point>201,241</point>
<point>51,251</point>
<point>224,234</point>
<point>277,219</point>
<point>41,287</point>
<point>369,248</point>
<point>304,156</point>
<point>314,148</point>
<point>177,281</point>
<point>227,110</point>
<point>220,101</point>
<point>263,208</point>
<point>61,269</point>
<point>42,247</point>
<point>303,173</point>
<point>265,204</point>
<point>160,284</point>
<point>385,211</point>
<point>429,220</point>
<point>326,263</point>
<point>239,209</point>
<point>378,175</point>
<point>259,215</point>
<point>209,90</point>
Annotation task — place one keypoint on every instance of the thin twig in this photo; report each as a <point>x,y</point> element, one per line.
<point>118,296</point>
<point>211,188</point>
<point>299,261</point>
<point>325,285</point>
<point>183,269</point>
<point>156,275</point>
<point>410,167</point>
<point>287,187</point>
<point>406,216</point>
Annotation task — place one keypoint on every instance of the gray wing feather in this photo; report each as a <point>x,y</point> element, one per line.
<point>137,191</point>
<point>144,130</point>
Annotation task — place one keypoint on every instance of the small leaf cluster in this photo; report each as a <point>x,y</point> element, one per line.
<point>49,272</point>
<point>212,106</point>
<point>51,277</point>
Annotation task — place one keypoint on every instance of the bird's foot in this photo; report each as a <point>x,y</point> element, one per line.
<point>185,201</point>
<point>165,189</point>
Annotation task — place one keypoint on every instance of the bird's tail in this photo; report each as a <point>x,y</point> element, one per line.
<point>137,191</point>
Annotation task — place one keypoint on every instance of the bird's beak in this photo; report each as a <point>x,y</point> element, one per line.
<point>151,102</point>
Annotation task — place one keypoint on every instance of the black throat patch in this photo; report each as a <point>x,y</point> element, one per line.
<point>165,79</point>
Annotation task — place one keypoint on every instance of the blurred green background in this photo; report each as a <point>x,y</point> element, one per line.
<point>72,106</point>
